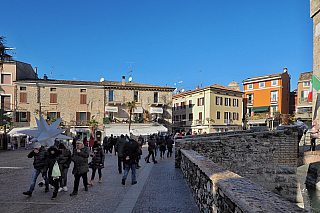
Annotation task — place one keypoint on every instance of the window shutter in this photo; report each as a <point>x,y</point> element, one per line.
<point>58,114</point>
<point>77,116</point>
<point>53,98</point>
<point>48,115</point>
<point>17,116</point>
<point>28,116</point>
<point>23,97</point>
<point>88,116</point>
<point>198,101</point>
<point>83,99</point>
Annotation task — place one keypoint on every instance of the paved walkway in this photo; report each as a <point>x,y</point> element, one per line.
<point>160,188</point>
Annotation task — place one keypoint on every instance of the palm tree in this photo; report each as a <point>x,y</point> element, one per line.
<point>131,105</point>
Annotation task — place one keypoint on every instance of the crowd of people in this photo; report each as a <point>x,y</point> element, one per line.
<point>53,164</point>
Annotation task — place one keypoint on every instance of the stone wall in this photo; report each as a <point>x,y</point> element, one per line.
<point>219,190</point>
<point>267,158</point>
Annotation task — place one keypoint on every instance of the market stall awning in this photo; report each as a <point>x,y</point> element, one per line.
<point>16,131</point>
<point>260,109</point>
<point>80,130</point>
<point>138,110</point>
<point>156,110</point>
<point>111,109</point>
<point>123,129</point>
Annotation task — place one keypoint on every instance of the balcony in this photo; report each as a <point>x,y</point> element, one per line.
<point>179,123</point>
<point>274,100</point>
<point>304,101</point>
<point>301,114</point>
<point>228,121</point>
<point>258,116</point>
<point>198,122</point>
<point>80,123</point>
<point>249,102</point>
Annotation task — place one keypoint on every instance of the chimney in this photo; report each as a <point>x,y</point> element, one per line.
<point>36,70</point>
<point>123,80</point>
<point>45,77</point>
<point>197,87</point>
<point>285,69</point>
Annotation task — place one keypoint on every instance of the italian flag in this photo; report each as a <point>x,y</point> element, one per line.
<point>314,87</point>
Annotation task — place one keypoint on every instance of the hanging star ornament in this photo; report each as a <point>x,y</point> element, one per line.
<point>46,134</point>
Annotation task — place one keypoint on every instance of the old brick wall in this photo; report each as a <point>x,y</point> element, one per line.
<point>266,158</point>
<point>216,189</point>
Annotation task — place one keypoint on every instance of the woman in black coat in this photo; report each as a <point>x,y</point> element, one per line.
<point>97,162</point>
<point>53,155</point>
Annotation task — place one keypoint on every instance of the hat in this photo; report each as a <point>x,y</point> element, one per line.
<point>79,141</point>
<point>95,145</point>
<point>61,146</point>
<point>36,145</point>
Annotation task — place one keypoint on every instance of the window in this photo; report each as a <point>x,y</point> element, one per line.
<point>235,102</point>
<point>23,97</point>
<point>83,98</point>
<point>250,98</point>
<point>190,103</point>
<point>53,98</point>
<point>111,93</point>
<point>22,116</point>
<point>226,116</point>
<point>250,86</point>
<point>155,97</point>
<point>5,78</point>
<point>190,116</point>
<point>274,96</point>
<point>82,117</point>
<point>227,101</point>
<point>201,101</point>
<point>219,100</point>
<point>83,90</point>
<point>235,116</point>
<point>136,96</point>
<point>53,115</point>
<point>304,93</point>
<point>274,82</point>
<point>177,106</point>
<point>200,116</point>
<point>261,84</point>
<point>306,84</point>
<point>5,102</point>
<point>53,89</point>
<point>23,88</point>
<point>218,115</point>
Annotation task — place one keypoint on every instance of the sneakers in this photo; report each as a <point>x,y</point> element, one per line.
<point>65,188</point>
<point>60,189</point>
<point>135,182</point>
<point>123,181</point>
<point>29,193</point>
<point>73,193</point>
<point>100,180</point>
<point>90,183</point>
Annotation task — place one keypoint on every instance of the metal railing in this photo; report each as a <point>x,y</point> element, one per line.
<point>228,121</point>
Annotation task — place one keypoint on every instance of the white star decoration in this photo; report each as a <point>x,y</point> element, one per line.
<point>46,134</point>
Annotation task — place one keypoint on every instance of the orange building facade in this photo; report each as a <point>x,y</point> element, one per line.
<point>266,98</point>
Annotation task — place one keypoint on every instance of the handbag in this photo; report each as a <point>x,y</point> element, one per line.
<point>56,170</point>
<point>90,165</point>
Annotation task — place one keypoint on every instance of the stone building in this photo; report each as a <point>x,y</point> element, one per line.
<point>209,109</point>
<point>79,102</point>
<point>304,108</point>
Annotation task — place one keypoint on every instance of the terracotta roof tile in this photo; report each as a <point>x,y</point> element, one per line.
<point>305,76</point>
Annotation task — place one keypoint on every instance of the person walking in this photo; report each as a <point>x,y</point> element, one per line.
<point>140,152</point>
<point>119,147</point>
<point>53,155</point>
<point>314,135</point>
<point>162,144</point>
<point>105,144</point>
<point>91,141</point>
<point>97,162</point>
<point>130,154</point>
<point>80,169</point>
<point>169,146</point>
<point>151,148</point>
<point>64,161</point>
<point>110,146</point>
<point>39,155</point>
<point>74,142</point>
<point>302,128</point>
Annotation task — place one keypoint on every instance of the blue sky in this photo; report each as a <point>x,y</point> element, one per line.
<point>169,40</point>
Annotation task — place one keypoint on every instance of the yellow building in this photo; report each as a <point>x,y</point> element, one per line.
<point>209,109</point>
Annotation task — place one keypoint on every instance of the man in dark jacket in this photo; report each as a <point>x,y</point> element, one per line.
<point>39,155</point>
<point>80,169</point>
<point>119,148</point>
<point>130,153</point>
<point>169,145</point>
<point>151,147</point>
<point>64,161</point>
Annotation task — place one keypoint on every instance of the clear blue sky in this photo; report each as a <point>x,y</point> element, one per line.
<point>167,39</point>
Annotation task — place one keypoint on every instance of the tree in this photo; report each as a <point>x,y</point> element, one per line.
<point>3,51</point>
<point>132,106</point>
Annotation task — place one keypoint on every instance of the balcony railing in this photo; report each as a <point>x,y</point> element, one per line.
<point>304,114</point>
<point>274,100</point>
<point>228,121</point>
<point>198,122</point>
<point>249,102</point>
<point>257,116</point>
<point>304,101</point>
<point>80,123</point>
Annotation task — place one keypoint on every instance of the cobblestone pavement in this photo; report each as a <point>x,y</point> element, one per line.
<point>160,188</point>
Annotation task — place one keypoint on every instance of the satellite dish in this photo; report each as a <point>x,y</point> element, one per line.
<point>130,79</point>
<point>182,90</point>
<point>101,79</point>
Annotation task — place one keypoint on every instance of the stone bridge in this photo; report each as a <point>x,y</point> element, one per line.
<point>242,171</point>
<point>308,157</point>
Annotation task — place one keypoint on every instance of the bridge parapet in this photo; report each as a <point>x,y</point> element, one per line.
<point>268,158</point>
<point>308,157</point>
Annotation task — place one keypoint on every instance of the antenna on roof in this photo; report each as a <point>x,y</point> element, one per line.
<point>51,73</point>
<point>130,78</point>
<point>201,77</point>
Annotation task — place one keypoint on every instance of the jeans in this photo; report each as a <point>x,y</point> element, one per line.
<point>120,159</point>
<point>63,182</point>
<point>35,175</point>
<point>126,171</point>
